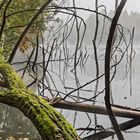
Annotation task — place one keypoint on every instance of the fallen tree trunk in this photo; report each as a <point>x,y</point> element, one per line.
<point>50,124</point>
<point>119,111</point>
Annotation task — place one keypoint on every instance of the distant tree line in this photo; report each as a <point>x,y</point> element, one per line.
<point>128,20</point>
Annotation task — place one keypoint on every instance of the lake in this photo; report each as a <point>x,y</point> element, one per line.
<point>65,81</point>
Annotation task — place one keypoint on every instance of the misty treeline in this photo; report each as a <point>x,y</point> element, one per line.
<point>70,62</point>
<point>127,20</point>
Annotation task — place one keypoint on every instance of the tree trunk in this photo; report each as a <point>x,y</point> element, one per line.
<point>50,124</point>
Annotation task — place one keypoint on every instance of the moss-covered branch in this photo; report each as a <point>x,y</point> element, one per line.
<point>50,124</point>
<point>11,78</point>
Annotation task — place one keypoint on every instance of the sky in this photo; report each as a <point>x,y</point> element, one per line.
<point>131,5</point>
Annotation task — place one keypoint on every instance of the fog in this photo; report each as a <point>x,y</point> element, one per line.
<point>131,5</point>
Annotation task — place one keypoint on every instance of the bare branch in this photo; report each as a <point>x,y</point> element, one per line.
<point>107,133</point>
<point>107,70</point>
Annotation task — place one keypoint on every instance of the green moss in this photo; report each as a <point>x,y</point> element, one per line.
<point>11,78</point>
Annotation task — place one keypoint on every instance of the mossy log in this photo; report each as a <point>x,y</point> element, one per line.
<point>50,124</point>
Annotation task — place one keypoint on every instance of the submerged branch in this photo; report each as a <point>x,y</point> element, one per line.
<point>107,133</point>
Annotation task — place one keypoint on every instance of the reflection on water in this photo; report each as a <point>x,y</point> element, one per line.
<point>15,126</point>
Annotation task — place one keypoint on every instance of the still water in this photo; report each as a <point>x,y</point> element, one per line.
<point>120,91</point>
